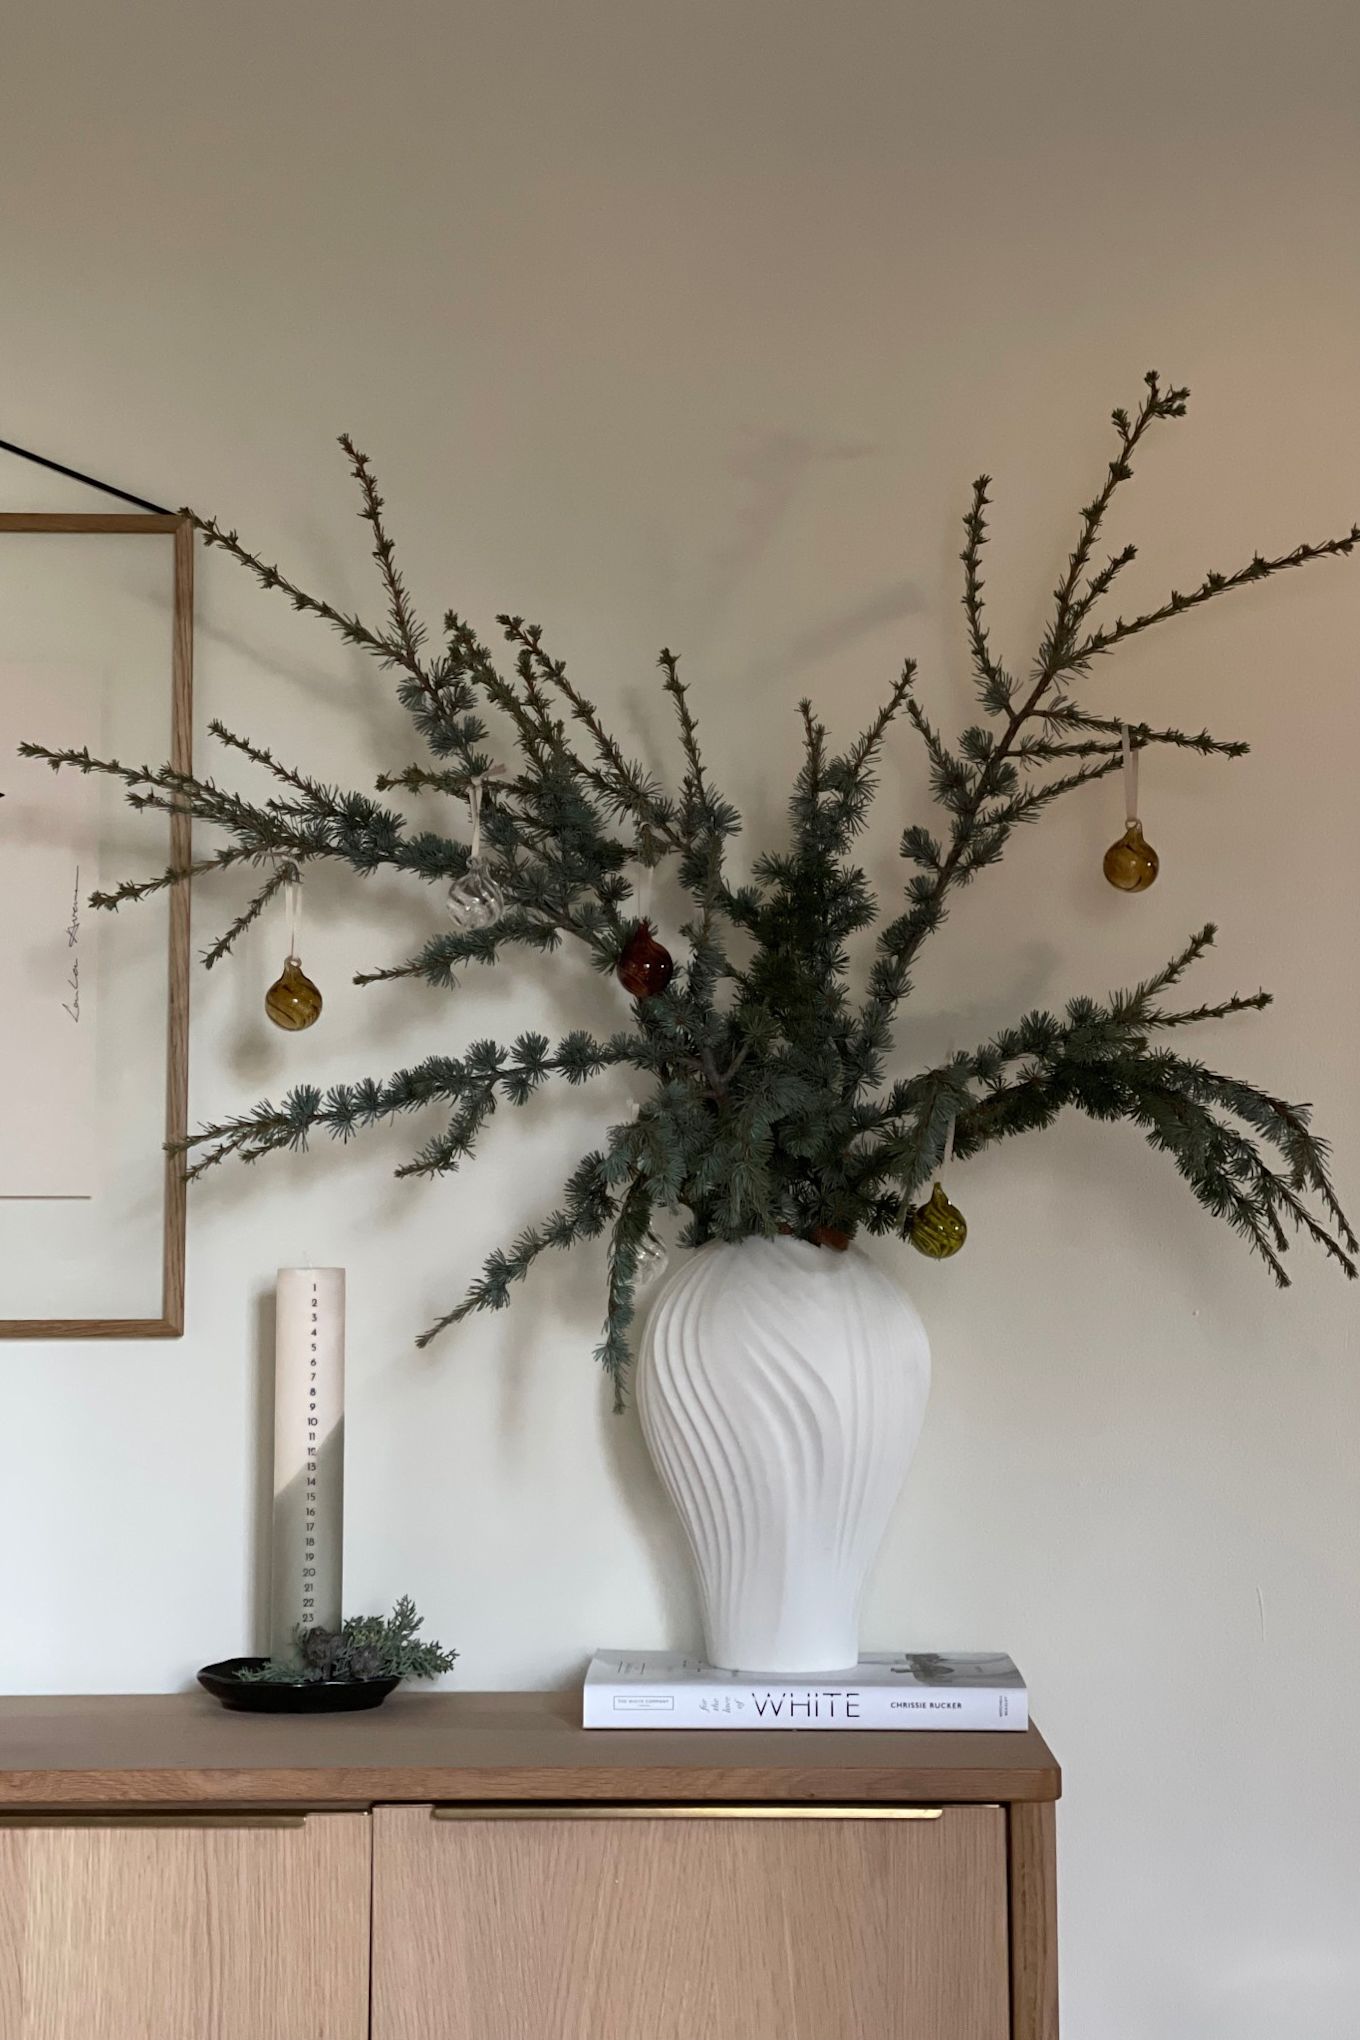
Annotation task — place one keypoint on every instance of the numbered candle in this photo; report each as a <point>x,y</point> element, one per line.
<point>309,1452</point>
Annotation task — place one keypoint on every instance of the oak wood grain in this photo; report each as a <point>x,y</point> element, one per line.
<point>177,1016</point>
<point>185,1933</point>
<point>732,1929</point>
<point>181,1749</point>
<point>89,1328</point>
<point>1033,1878</point>
<point>130,523</point>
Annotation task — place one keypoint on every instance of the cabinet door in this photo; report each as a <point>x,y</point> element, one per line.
<point>180,1930</point>
<point>720,1924</point>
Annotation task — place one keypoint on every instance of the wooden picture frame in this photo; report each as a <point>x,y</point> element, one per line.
<point>170,1322</point>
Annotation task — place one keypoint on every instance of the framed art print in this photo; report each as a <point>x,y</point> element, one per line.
<point>96,651</point>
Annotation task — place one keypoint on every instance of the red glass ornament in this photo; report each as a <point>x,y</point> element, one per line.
<point>645,968</point>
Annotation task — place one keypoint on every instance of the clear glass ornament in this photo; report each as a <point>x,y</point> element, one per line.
<point>293,1001</point>
<point>652,1259</point>
<point>475,900</point>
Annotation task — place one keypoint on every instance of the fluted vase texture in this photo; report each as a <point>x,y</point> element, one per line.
<point>782,1388</point>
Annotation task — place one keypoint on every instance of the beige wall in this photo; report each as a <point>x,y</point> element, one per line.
<point>691,324</point>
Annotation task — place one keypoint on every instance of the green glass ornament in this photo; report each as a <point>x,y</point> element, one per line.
<point>293,1001</point>
<point>939,1228</point>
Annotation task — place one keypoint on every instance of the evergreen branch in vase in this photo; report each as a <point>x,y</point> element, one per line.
<point>771,1104</point>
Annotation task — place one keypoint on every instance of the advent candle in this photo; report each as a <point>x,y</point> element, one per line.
<point>309,1452</point>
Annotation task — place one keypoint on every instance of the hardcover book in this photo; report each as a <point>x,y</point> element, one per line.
<point>886,1689</point>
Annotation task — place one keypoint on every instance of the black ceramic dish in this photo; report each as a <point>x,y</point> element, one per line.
<point>323,1696</point>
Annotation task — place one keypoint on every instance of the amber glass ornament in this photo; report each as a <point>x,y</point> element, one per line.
<point>645,968</point>
<point>939,1228</point>
<point>1131,864</point>
<point>293,1001</point>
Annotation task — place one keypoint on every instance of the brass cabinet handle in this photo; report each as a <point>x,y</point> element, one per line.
<point>634,1810</point>
<point>37,1822</point>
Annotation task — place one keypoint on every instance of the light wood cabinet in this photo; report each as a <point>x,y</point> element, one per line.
<point>706,1925</point>
<point>185,1929</point>
<point>170,1872</point>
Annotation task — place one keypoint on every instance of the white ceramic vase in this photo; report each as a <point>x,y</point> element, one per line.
<point>782,1388</point>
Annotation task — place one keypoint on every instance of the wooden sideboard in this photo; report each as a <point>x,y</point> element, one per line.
<point>477,1867</point>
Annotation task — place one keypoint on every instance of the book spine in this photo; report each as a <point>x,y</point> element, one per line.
<point>775,1708</point>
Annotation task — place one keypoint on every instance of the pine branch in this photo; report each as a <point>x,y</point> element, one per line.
<point>977,837</point>
<point>438,961</point>
<point>351,628</point>
<point>1172,1102</point>
<point>313,794</point>
<point>995,686</point>
<point>870,741</point>
<point>569,837</point>
<point>1171,973</point>
<point>631,1226</point>
<point>1101,583</point>
<point>260,833</point>
<point>909,1155</point>
<point>1027,806</point>
<point>965,790</point>
<point>324,823</point>
<point>407,631</point>
<point>1045,750</point>
<point>625,785</point>
<point>175,874</point>
<point>705,822</point>
<point>1091,1031</point>
<point>1251,1002</point>
<point>470,1083</point>
<point>949,778</point>
<point>587,1208</point>
<point>286,874</point>
<point>673,685</point>
<point>1213,585</point>
<point>1069,608</point>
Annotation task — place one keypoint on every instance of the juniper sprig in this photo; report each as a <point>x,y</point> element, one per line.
<point>363,1647</point>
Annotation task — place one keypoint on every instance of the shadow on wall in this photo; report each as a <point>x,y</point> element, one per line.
<point>809,647</point>
<point>771,470</point>
<point>773,476</point>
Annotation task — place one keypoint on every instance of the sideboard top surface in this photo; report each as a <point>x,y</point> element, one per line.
<point>169,1750</point>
